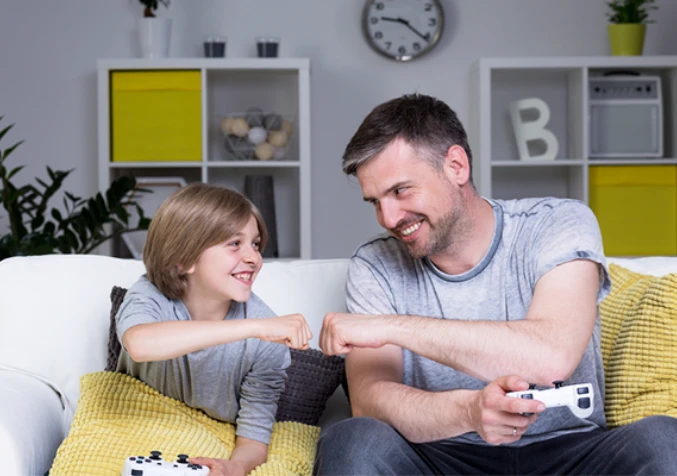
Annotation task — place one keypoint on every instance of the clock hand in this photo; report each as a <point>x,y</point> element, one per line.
<point>407,24</point>
<point>415,30</point>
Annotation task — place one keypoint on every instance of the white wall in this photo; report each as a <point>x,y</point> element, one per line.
<point>49,49</point>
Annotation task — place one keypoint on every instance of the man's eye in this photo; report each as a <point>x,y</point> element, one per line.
<point>399,191</point>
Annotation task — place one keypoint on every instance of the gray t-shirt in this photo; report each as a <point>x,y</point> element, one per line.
<point>531,237</point>
<point>239,382</point>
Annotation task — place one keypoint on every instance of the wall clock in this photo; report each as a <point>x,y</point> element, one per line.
<point>402,30</point>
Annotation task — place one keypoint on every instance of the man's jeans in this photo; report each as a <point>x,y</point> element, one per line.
<point>365,446</point>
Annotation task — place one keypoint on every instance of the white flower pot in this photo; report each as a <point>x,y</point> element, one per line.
<point>155,36</point>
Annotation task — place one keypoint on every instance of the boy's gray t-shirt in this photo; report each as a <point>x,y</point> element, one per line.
<point>531,237</point>
<point>239,382</point>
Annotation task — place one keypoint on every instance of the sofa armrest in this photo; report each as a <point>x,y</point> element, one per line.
<point>33,423</point>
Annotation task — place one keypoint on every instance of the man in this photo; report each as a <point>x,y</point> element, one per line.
<point>466,300</point>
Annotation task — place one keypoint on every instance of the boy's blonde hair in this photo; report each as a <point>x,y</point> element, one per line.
<point>188,222</point>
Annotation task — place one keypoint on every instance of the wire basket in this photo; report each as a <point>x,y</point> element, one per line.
<point>256,135</point>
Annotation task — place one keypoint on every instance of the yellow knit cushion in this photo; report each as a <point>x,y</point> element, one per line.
<point>119,416</point>
<point>639,346</point>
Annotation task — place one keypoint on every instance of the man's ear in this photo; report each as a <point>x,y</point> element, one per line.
<point>457,165</point>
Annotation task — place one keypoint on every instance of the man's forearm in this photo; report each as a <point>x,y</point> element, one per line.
<point>419,415</point>
<point>486,349</point>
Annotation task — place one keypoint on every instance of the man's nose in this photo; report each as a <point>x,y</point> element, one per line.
<point>390,214</point>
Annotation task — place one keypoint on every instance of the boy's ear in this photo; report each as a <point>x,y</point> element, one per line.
<point>182,270</point>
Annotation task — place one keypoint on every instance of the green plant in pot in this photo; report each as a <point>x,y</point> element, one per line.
<point>627,30</point>
<point>150,6</point>
<point>82,224</point>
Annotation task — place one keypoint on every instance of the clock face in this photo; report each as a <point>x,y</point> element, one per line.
<point>402,29</point>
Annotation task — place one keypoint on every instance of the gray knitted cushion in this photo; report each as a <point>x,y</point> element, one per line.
<point>312,377</point>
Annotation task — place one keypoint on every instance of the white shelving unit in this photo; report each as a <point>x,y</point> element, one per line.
<point>562,82</point>
<point>231,86</point>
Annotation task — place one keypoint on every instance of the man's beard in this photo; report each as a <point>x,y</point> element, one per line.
<point>444,235</point>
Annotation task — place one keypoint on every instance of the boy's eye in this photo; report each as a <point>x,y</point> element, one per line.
<point>257,245</point>
<point>234,243</point>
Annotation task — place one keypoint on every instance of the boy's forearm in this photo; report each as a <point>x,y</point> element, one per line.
<point>168,340</point>
<point>249,453</point>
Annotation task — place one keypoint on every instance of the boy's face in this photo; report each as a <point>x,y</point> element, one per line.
<point>227,270</point>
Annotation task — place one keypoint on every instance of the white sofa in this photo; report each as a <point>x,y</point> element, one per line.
<point>54,319</point>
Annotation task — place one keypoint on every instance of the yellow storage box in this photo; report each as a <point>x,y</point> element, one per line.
<point>637,208</point>
<point>156,116</point>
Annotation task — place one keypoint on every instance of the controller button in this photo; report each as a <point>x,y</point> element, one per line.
<point>582,390</point>
<point>532,386</point>
<point>147,460</point>
<point>137,472</point>
<point>131,458</point>
<point>528,396</point>
<point>558,383</point>
<point>584,402</point>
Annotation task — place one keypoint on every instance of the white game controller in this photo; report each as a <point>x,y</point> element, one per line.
<point>154,465</point>
<point>579,398</point>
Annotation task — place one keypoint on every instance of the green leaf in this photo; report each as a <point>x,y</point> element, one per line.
<point>15,171</point>
<point>56,214</point>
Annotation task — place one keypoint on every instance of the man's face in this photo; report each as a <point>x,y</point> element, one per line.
<point>417,204</point>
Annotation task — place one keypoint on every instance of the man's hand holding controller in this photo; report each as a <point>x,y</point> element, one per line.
<point>499,419</point>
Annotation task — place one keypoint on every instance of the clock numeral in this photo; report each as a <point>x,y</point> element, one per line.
<point>388,44</point>
<point>416,46</point>
<point>378,35</point>
<point>402,50</point>
<point>373,20</point>
<point>428,7</point>
<point>432,21</point>
<point>380,6</point>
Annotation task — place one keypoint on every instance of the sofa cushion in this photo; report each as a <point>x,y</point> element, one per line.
<point>312,377</point>
<point>639,346</point>
<point>119,416</point>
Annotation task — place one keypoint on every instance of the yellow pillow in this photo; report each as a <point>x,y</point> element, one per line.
<point>119,416</point>
<point>639,346</point>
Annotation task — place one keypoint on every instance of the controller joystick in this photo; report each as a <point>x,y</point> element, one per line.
<point>183,459</point>
<point>155,455</point>
<point>579,398</point>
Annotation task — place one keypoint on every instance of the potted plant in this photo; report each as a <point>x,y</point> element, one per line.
<point>79,227</point>
<point>628,25</point>
<point>154,33</point>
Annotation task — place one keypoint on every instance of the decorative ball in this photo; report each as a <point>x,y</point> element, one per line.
<point>277,138</point>
<point>286,126</point>
<point>279,153</point>
<point>227,125</point>
<point>272,122</point>
<point>254,117</point>
<point>257,135</point>
<point>264,151</point>
<point>242,148</point>
<point>240,127</point>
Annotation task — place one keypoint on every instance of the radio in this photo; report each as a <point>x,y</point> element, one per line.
<point>626,117</point>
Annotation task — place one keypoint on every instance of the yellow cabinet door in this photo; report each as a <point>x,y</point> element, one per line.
<point>156,116</point>
<point>637,208</point>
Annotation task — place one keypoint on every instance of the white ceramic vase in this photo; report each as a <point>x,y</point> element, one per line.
<point>155,36</point>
